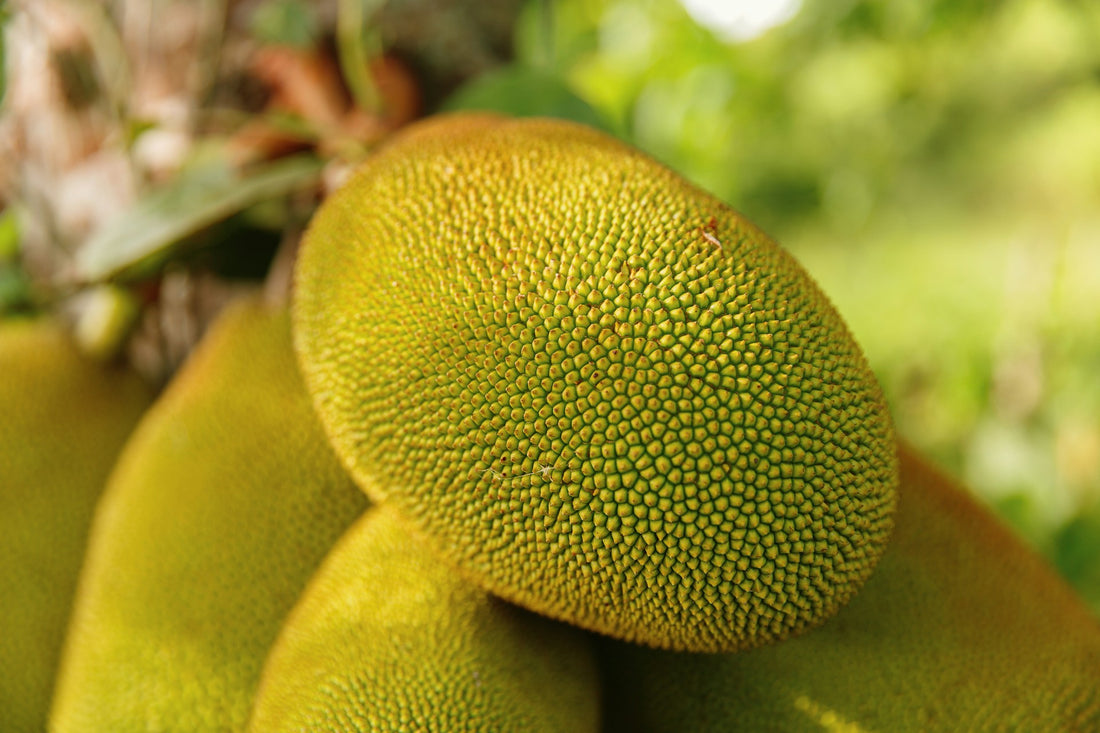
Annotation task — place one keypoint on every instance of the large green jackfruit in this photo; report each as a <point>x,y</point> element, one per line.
<point>961,628</point>
<point>223,504</point>
<point>386,638</point>
<point>63,420</point>
<point>599,391</point>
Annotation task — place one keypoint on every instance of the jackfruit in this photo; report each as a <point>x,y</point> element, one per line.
<point>600,392</point>
<point>961,627</point>
<point>387,638</point>
<point>222,505</point>
<point>63,420</point>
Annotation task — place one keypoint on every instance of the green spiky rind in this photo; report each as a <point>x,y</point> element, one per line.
<point>601,393</point>
<point>63,420</point>
<point>387,638</point>
<point>960,628</point>
<point>223,504</point>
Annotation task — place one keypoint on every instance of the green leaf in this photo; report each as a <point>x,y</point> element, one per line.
<point>521,91</point>
<point>1077,555</point>
<point>194,200</point>
<point>286,22</point>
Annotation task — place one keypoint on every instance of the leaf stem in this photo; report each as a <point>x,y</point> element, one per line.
<point>351,48</point>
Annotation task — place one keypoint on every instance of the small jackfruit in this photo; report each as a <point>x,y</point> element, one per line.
<point>600,392</point>
<point>961,627</point>
<point>222,505</point>
<point>387,638</point>
<point>63,420</point>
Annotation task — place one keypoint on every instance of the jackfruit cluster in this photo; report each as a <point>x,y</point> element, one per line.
<point>960,628</point>
<point>63,420</point>
<point>387,638</point>
<point>222,505</point>
<point>570,380</point>
<point>598,391</point>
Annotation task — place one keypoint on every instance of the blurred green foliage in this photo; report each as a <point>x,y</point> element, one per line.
<point>936,166</point>
<point>291,23</point>
<point>523,91</point>
<point>204,193</point>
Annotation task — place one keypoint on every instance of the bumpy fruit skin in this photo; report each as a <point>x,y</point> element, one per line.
<point>602,393</point>
<point>63,420</point>
<point>960,628</point>
<point>223,504</point>
<point>387,638</point>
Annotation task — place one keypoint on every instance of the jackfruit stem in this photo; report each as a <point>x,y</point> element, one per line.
<point>105,316</point>
<point>352,51</point>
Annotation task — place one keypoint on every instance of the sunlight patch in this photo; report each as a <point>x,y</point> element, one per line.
<point>741,20</point>
<point>828,719</point>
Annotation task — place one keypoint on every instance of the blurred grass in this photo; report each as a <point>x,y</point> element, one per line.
<point>936,166</point>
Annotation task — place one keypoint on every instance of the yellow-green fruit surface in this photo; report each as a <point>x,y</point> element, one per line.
<point>63,420</point>
<point>387,638</point>
<point>600,392</point>
<point>961,628</point>
<point>223,504</point>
